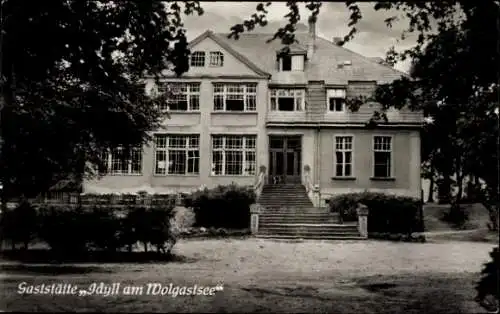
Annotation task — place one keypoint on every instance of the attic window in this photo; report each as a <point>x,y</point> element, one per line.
<point>336,100</point>
<point>198,59</point>
<point>291,63</point>
<point>216,59</point>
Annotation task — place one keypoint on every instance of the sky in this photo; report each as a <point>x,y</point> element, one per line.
<point>373,39</point>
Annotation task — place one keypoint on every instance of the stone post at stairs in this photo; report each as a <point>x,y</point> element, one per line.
<point>255,210</point>
<point>362,211</point>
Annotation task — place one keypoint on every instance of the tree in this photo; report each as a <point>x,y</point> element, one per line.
<point>454,80</point>
<point>72,86</point>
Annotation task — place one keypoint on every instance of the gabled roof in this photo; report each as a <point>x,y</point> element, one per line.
<point>225,44</point>
<point>323,65</point>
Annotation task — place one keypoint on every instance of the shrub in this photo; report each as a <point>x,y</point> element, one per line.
<point>387,213</point>
<point>223,206</point>
<point>65,230</point>
<point>70,231</point>
<point>487,287</point>
<point>184,219</point>
<point>20,224</point>
<point>148,226</point>
<point>105,228</point>
<point>160,231</point>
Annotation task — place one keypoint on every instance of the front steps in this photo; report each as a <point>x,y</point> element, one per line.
<point>304,223</point>
<point>288,213</point>
<point>284,195</point>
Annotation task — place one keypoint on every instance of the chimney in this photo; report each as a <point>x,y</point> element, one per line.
<point>312,37</point>
<point>337,41</point>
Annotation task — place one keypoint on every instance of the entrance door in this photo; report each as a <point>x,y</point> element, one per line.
<point>285,159</point>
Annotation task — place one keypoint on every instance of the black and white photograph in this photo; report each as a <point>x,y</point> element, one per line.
<point>249,157</point>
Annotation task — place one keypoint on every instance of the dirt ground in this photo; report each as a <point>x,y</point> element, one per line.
<point>270,276</point>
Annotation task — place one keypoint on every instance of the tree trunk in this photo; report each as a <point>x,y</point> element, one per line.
<point>430,198</point>
<point>444,191</point>
<point>458,197</point>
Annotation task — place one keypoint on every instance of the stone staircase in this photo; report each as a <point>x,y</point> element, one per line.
<point>289,214</point>
<point>284,195</point>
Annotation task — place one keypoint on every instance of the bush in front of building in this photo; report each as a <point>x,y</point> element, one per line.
<point>78,230</point>
<point>387,213</point>
<point>222,207</point>
<point>19,226</point>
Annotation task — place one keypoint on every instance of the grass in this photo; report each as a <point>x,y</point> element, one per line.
<point>474,230</point>
<point>267,276</point>
<point>433,213</point>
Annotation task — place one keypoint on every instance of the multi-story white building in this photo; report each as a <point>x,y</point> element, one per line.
<point>242,106</point>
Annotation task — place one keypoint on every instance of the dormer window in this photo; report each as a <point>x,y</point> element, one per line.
<point>291,63</point>
<point>216,59</point>
<point>198,59</point>
<point>336,100</point>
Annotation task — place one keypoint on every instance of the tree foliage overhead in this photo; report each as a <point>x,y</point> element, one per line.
<point>72,81</point>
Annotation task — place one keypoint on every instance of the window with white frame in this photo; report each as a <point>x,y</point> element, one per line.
<point>336,100</point>
<point>382,156</point>
<point>343,156</point>
<point>234,155</point>
<point>198,59</point>
<point>291,63</point>
<point>287,99</point>
<point>235,97</point>
<point>181,96</point>
<point>118,162</point>
<point>177,154</point>
<point>216,59</point>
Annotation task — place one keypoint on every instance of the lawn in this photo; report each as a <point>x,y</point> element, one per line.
<point>269,276</point>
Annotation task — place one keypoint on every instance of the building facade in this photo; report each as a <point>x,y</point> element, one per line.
<point>244,106</point>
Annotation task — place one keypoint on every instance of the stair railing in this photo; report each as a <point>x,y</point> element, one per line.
<point>259,183</point>
<point>308,182</point>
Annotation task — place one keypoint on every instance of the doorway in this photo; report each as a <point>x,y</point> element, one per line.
<point>285,159</point>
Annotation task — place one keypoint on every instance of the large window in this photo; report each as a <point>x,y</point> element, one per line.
<point>382,156</point>
<point>287,99</point>
<point>216,59</point>
<point>336,100</point>
<point>118,163</point>
<point>177,154</point>
<point>235,97</point>
<point>233,155</point>
<point>198,59</point>
<point>182,96</point>
<point>343,156</point>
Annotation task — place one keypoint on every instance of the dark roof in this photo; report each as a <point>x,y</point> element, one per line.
<point>324,63</point>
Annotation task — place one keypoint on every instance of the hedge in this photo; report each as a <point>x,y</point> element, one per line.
<point>387,213</point>
<point>222,207</point>
<point>71,230</point>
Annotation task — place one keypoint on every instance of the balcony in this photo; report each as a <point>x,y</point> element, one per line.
<point>323,117</point>
<point>286,116</point>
